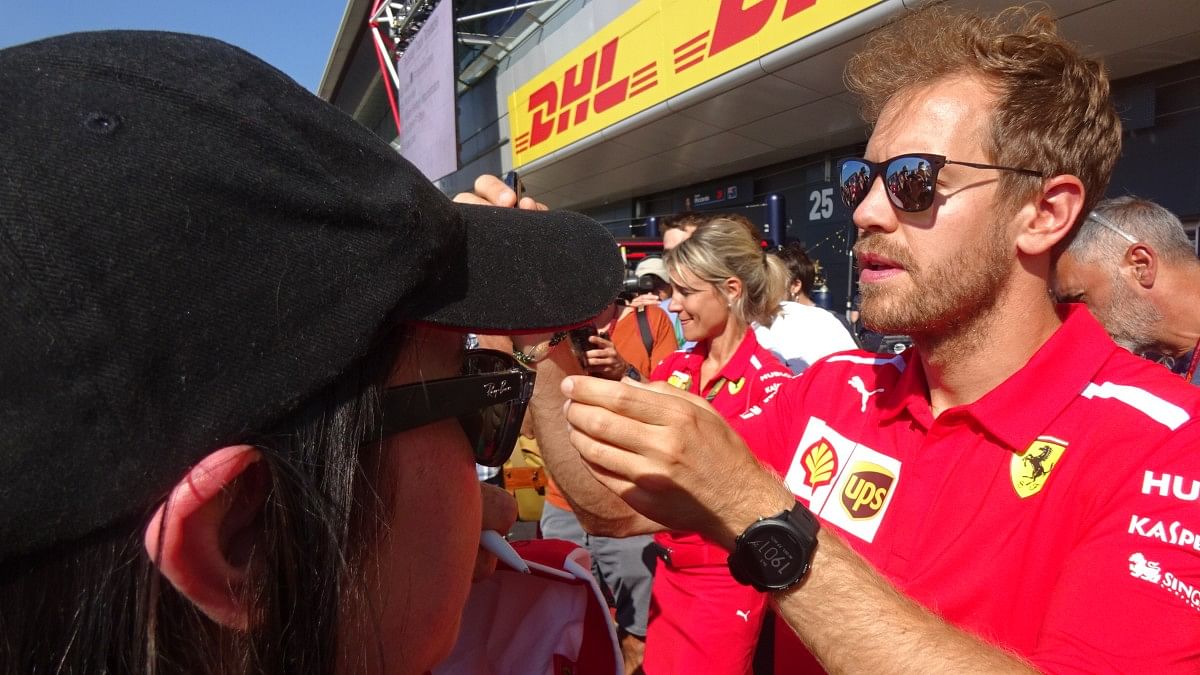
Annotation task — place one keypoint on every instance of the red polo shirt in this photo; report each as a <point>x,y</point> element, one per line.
<point>1056,516</point>
<point>701,620</point>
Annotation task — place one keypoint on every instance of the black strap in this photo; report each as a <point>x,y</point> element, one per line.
<point>644,329</point>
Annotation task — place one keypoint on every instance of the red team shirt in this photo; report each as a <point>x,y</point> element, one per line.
<point>1057,517</point>
<point>701,620</point>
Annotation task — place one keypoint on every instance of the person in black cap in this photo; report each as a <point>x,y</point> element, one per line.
<point>238,421</point>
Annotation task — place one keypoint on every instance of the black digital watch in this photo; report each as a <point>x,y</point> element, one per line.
<point>774,553</point>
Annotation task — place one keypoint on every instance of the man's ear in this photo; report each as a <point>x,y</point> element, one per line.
<point>201,538</point>
<point>1142,261</point>
<point>1053,215</point>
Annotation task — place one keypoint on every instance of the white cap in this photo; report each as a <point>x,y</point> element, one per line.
<point>653,266</point>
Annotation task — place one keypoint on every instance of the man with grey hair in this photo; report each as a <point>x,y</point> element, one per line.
<point>1133,265</point>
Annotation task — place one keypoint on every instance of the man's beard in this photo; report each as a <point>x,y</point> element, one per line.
<point>1129,319</point>
<point>941,297</point>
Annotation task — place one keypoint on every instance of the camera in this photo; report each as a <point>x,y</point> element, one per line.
<point>634,285</point>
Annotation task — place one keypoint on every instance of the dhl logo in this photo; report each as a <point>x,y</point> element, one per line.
<point>735,24</point>
<point>657,49</point>
<point>560,105</point>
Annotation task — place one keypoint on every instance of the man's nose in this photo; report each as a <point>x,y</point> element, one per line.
<point>875,211</point>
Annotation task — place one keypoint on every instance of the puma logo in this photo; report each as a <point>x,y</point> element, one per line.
<point>861,388</point>
<point>744,614</point>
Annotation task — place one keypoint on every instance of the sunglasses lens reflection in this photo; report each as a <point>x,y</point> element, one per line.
<point>908,180</point>
<point>909,183</point>
<point>483,363</point>
<point>855,179</point>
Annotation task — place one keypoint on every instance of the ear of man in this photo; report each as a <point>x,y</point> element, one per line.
<point>1142,261</point>
<point>1049,219</point>
<point>202,536</point>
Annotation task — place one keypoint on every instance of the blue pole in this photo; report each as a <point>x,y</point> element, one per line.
<point>777,219</point>
<point>652,226</point>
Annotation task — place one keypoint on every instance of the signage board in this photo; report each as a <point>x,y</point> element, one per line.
<point>655,50</point>
<point>426,102</point>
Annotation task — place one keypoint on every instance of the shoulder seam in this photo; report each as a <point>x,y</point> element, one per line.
<point>896,361</point>
<point>1153,406</point>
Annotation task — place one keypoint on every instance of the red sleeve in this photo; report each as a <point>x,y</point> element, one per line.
<point>1128,596</point>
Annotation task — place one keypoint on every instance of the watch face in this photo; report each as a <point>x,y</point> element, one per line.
<point>776,557</point>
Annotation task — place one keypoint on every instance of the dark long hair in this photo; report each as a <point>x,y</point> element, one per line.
<point>99,605</point>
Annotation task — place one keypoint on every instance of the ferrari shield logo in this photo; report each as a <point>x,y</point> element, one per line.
<point>1031,468</point>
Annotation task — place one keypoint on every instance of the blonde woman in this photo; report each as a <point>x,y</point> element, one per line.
<point>701,620</point>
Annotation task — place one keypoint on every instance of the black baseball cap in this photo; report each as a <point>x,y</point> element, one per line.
<point>192,244</point>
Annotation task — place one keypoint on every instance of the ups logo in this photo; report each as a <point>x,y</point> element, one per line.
<point>865,492</point>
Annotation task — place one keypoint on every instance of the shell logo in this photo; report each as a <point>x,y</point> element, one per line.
<point>820,463</point>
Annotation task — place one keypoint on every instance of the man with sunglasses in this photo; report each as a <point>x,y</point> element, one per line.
<point>1015,493</point>
<point>1131,262</point>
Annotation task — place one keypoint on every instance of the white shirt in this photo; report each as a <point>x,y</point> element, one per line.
<point>801,334</point>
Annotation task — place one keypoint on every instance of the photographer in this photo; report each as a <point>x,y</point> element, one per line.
<point>625,340</point>
<point>652,284</point>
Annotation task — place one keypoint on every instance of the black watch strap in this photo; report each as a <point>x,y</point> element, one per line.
<point>775,553</point>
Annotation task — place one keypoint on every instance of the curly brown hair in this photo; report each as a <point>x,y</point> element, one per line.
<point>1052,113</point>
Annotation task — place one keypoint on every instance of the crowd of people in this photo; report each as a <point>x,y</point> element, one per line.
<point>243,420</point>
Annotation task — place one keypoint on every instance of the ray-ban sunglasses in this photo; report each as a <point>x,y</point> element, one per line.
<point>908,179</point>
<point>488,399</point>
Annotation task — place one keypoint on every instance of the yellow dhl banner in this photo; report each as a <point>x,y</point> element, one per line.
<point>650,53</point>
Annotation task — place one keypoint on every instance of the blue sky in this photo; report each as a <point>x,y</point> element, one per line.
<point>292,35</point>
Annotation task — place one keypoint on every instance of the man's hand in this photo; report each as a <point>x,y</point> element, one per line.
<point>491,191</point>
<point>605,361</point>
<point>598,509</point>
<point>671,457</point>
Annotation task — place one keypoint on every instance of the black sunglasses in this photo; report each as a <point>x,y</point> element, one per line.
<point>907,179</point>
<point>489,400</point>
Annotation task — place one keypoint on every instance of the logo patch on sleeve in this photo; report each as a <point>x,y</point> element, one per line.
<point>865,490</point>
<point>844,482</point>
<point>1031,469</point>
<point>1152,572</point>
<point>820,464</point>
